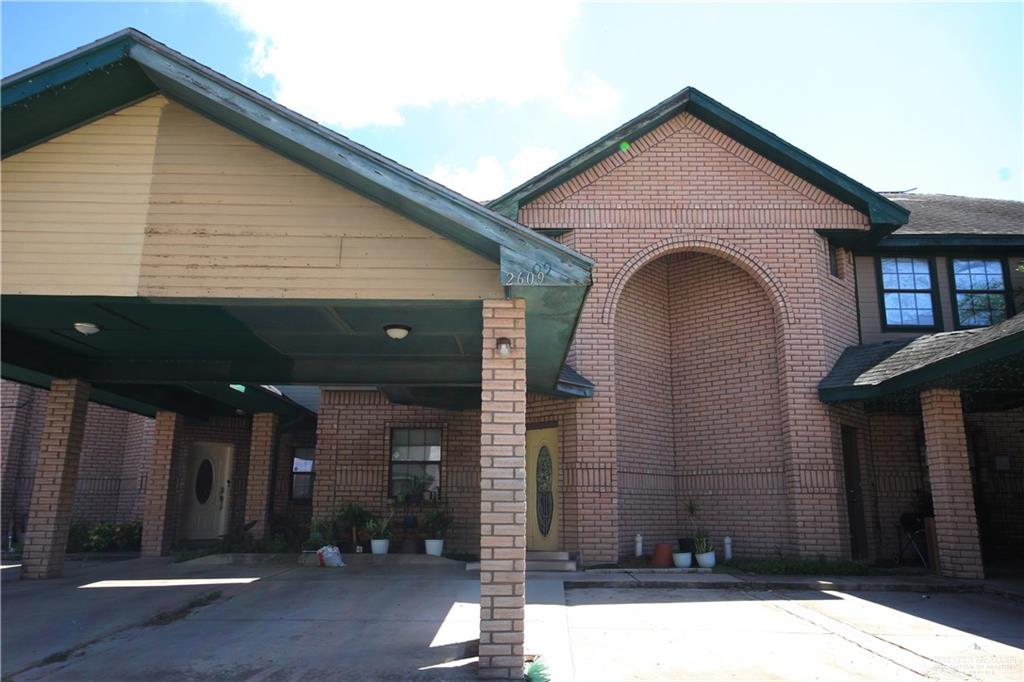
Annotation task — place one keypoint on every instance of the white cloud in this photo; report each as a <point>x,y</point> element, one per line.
<point>488,178</point>
<point>353,64</point>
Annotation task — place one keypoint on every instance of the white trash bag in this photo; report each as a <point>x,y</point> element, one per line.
<point>330,556</point>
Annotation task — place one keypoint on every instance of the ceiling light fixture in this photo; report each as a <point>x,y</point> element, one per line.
<point>86,328</point>
<point>504,346</point>
<point>397,331</point>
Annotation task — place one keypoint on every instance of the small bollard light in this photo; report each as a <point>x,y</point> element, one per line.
<point>727,544</point>
<point>638,545</point>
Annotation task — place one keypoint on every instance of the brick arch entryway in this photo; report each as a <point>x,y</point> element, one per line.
<point>698,339</point>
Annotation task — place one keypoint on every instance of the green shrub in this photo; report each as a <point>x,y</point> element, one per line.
<point>128,536</point>
<point>104,537</point>
<point>78,538</point>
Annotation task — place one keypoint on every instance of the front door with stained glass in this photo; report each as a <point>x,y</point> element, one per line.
<point>542,492</point>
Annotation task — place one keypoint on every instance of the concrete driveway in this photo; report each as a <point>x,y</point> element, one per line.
<point>407,618</point>
<point>732,634</point>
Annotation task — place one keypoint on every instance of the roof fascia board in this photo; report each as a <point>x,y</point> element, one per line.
<point>347,162</point>
<point>66,67</point>
<point>913,241</point>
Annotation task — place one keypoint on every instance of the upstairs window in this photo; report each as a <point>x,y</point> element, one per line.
<point>907,287</point>
<point>415,466</point>
<point>980,291</point>
<point>302,474</point>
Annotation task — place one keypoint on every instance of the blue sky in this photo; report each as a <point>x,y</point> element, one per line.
<point>483,95</point>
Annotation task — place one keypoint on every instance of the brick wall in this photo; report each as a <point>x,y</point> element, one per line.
<point>685,187</point>
<point>352,455</point>
<point>728,423</point>
<point>138,444</point>
<point>114,450</point>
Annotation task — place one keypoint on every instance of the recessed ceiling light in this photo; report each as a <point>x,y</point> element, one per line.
<point>397,331</point>
<point>87,328</point>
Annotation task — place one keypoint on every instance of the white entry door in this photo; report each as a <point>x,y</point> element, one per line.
<point>207,491</point>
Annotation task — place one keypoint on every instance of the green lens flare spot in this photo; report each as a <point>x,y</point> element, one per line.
<point>624,146</point>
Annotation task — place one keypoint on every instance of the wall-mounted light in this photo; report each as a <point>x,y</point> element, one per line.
<point>504,346</point>
<point>87,328</point>
<point>397,331</point>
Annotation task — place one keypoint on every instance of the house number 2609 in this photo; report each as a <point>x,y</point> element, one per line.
<point>527,278</point>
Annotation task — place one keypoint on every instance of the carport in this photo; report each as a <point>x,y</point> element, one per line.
<point>174,242</point>
<point>955,385</point>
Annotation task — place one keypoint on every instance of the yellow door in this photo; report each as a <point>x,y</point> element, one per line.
<point>542,490</point>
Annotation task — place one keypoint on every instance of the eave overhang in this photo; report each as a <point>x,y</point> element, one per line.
<point>98,79</point>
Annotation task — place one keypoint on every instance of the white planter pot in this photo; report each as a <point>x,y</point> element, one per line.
<point>706,560</point>
<point>379,546</point>
<point>434,547</point>
<point>682,559</point>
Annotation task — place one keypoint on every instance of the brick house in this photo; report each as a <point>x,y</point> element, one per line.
<point>217,312</point>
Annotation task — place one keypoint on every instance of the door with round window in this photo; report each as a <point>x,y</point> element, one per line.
<point>207,491</point>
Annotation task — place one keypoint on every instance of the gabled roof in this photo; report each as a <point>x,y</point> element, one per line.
<point>73,89</point>
<point>948,220</point>
<point>881,211</point>
<point>990,358</point>
<point>126,67</point>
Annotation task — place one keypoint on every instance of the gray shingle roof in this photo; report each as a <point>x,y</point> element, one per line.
<point>904,364</point>
<point>945,214</point>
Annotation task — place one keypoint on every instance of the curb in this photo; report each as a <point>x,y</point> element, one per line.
<point>772,586</point>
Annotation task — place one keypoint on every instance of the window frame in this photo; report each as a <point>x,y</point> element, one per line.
<point>292,472</point>
<point>389,430</point>
<point>1007,291</point>
<point>934,291</point>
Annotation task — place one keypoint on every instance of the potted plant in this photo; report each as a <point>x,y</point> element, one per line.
<point>704,550</point>
<point>682,559</point>
<point>686,544</point>
<point>355,517</point>
<point>380,534</point>
<point>317,531</point>
<point>438,522</point>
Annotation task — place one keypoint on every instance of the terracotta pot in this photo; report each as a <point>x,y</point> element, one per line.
<point>662,555</point>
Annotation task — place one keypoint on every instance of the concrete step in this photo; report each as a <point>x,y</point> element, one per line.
<point>550,565</point>
<point>546,556</point>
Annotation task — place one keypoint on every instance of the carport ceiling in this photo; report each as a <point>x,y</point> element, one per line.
<point>259,342</point>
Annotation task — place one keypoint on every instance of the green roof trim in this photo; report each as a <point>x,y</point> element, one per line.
<point>881,211</point>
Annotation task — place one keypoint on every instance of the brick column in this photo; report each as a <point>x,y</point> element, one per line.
<point>503,492</point>
<point>160,498</point>
<point>956,525</point>
<point>257,488</point>
<point>53,490</point>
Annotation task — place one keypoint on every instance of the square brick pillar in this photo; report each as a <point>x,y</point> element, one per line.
<point>53,491</point>
<point>956,525</point>
<point>503,492</point>
<point>257,487</point>
<point>161,499</point>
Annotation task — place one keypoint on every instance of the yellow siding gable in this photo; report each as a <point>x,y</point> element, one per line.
<point>205,212</point>
<point>73,216</point>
